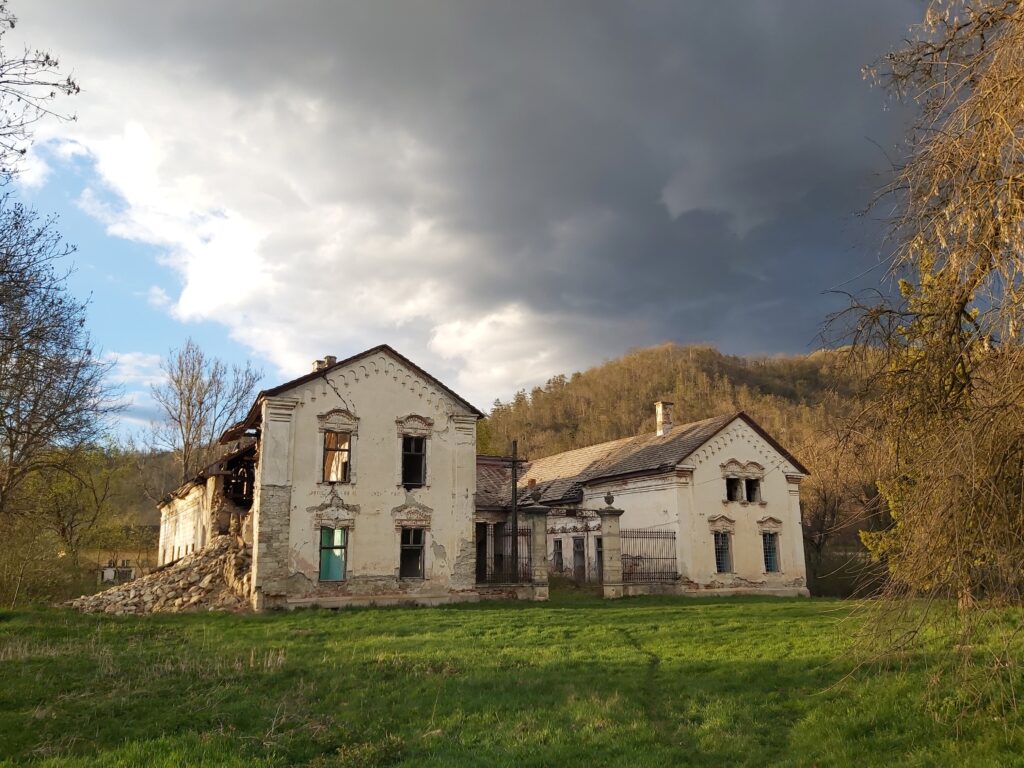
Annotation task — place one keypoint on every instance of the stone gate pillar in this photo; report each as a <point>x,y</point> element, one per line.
<point>611,549</point>
<point>537,516</point>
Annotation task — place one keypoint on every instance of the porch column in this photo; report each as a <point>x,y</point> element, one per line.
<point>611,550</point>
<point>537,516</point>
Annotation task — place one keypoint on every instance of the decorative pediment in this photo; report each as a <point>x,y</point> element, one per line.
<point>750,469</point>
<point>722,523</point>
<point>334,512</point>
<point>412,516</point>
<point>413,424</point>
<point>338,420</point>
<point>769,523</point>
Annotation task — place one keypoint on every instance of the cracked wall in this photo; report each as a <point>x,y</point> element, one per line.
<point>377,398</point>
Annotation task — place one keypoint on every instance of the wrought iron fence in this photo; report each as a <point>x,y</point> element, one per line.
<point>501,566</point>
<point>648,555</point>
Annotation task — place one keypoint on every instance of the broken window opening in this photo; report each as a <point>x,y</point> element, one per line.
<point>333,553</point>
<point>733,489</point>
<point>723,552</point>
<point>337,457</point>
<point>558,559</point>
<point>414,461</point>
<point>753,489</point>
<point>411,562</point>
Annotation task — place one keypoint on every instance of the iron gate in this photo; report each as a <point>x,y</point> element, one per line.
<point>648,555</point>
<point>495,561</point>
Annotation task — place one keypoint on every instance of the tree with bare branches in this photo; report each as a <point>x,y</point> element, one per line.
<point>945,394</point>
<point>200,397</point>
<point>30,83</point>
<point>53,393</point>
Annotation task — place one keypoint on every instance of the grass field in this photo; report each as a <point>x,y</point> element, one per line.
<point>578,681</point>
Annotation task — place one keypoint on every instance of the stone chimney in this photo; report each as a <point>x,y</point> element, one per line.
<point>327,362</point>
<point>663,416</point>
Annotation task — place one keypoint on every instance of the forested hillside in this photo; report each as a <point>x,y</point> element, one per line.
<point>793,397</point>
<point>802,400</point>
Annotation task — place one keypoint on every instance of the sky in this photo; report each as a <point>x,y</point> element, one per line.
<point>501,191</point>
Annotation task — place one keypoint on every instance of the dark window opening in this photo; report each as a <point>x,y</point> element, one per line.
<point>239,474</point>
<point>734,489</point>
<point>481,553</point>
<point>579,559</point>
<point>333,553</point>
<point>414,461</point>
<point>770,544</point>
<point>411,563</point>
<point>753,489</point>
<point>557,558</point>
<point>337,455</point>
<point>723,553</point>
<point>500,538</point>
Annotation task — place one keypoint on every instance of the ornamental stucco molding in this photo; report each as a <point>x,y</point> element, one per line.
<point>578,528</point>
<point>722,523</point>
<point>380,366</point>
<point>415,425</point>
<point>338,420</point>
<point>334,512</point>
<point>412,515</point>
<point>750,470</point>
<point>741,433</point>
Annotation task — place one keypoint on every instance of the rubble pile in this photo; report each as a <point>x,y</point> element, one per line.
<point>217,578</point>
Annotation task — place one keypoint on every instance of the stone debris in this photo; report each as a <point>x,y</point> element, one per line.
<point>216,578</point>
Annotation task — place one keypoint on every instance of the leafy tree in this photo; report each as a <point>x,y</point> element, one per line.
<point>75,498</point>
<point>944,355</point>
<point>200,397</point>
<point>947,394</point>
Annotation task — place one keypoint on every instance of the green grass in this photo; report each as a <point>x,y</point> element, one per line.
<point>577,681</point>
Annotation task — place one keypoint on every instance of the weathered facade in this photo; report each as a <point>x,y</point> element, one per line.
<point>712,506</point>
<point>359,483</point>
<point>394,523</point>
<point>361,480</point>
<point>217,501</point>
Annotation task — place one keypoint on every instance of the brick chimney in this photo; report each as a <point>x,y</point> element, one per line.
<point>663,416</point>
<point>319,365</point>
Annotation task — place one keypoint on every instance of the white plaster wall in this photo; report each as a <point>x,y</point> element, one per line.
<point>647,502</point>
<point>376,391</point>
<point>687,500</point>
<point>182,525</point>
<point>566,528</point>
<point>780,500</point>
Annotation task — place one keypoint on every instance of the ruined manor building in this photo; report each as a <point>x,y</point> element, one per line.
<point>360,483</point>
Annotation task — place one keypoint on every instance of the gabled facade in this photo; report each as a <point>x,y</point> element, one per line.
<point>360,483</point>
<point>712,506</point>
<point>361,478</point>
<point>364,487</point>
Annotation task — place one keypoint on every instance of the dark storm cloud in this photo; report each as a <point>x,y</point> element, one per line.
<point>693,169</point>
